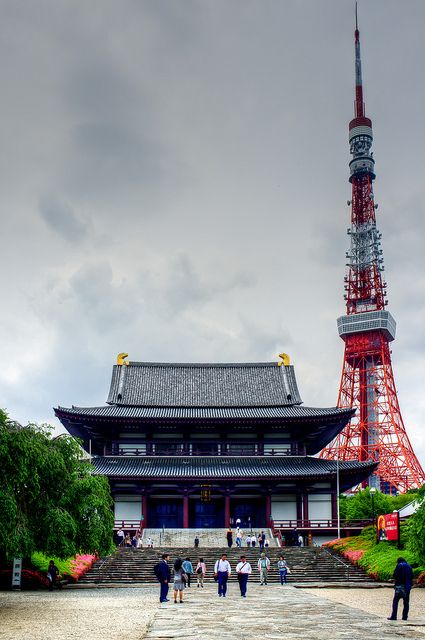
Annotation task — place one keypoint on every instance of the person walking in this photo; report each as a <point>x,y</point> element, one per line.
<point>248,540</point>
<point>127,540</point>
<point>283,569</point>
<point>222,571</point>
<point>403,579</point>
<point>300,541</point>
<point>253,539</point>
<point>188,569</point>
<point>261,540</point>
<point>162,572</point>
<point>53,575</point>
<point>243,569</point>
<point>120,537</point>
<point>200,571</point>
<point>180,579</point>
<point>263,567</point>
<point>239,535</point>
<point>229,537</point>
<point>196,542</point>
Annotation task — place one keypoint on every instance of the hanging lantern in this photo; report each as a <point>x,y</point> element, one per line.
<point>205,493</point>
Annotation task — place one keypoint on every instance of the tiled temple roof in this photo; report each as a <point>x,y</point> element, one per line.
<point>210,413</point>
<point>227,467</point>
<point>153,384</point>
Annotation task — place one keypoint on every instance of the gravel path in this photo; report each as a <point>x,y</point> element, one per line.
<point>376,601</point>
<point>269,613</point>
<point>92,614</point>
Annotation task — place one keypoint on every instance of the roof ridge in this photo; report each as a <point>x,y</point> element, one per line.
<point>137,363</point>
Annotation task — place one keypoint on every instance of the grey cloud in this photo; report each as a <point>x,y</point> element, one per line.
<point>62,219</point>
<point>198,157</point>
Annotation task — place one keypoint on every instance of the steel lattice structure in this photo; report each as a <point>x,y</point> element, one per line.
<point>377,431</point>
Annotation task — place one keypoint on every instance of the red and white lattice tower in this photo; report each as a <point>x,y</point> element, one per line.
<point>376,432</point>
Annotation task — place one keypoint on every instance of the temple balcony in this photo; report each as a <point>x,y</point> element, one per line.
<point>205,448</point>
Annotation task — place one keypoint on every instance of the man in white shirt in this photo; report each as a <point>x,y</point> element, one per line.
<point>243,569</point>
<point>222,571</point>
<point>263,567</point>
<point>120,536</point>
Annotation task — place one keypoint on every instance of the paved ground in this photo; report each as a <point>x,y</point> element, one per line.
<point>268,613</point>
<point>274,613</point>
<point>376,601</point>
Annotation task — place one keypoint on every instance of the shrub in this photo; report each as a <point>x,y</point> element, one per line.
<point>71,569</point>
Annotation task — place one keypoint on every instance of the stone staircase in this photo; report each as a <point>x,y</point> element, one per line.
<point>184,538</point>
<point>308,564</point>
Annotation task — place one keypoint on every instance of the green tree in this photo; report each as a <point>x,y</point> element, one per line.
<point>49,499</point>
<point>416,529</point>
<point>362,506</point>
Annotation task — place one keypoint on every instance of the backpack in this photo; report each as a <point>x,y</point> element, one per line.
<point>157,571</point>
<point>199,570</point>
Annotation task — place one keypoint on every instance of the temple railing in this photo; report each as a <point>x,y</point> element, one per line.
<point>205,448</point>
<point>331,523</point>
<point>128,524</point>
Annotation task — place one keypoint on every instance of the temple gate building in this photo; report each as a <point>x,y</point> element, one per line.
<point>202,445</point>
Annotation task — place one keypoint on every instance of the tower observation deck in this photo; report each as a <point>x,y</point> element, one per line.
<point>376,432</point>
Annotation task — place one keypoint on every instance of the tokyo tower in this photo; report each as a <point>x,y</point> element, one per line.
<point>376,432</point>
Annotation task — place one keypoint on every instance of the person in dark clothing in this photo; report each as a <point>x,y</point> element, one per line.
<point>229,537</point>
<point>164,576</point>
<point>403,579</point>
<point>261,540</point>
<point>196,542</point>
<point>53,575</point>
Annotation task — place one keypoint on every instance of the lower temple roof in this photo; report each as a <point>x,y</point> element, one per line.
<point>231,467</point>
<point>209,413</point>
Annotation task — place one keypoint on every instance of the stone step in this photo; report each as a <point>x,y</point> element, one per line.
<point>310,564</point>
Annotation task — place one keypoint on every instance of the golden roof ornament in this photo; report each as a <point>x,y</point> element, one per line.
<point>286,360</point>
<point>121,359</point>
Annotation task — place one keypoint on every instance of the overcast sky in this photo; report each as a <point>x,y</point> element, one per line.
<point>173,184</point>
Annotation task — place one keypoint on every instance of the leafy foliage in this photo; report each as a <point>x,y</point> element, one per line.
<point>363,505</point>
<point>378,560</point>
<point>72,568</point>
<point>49,500</point>
<point>416,529</point>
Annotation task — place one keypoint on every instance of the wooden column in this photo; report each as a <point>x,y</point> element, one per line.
<point>226,509</point>
<point>268,509</point>
<point>185,511</point>
<point>144,511</point>
<point>305,508</point>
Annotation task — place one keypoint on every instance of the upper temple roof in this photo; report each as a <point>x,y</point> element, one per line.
<point>152,384</point>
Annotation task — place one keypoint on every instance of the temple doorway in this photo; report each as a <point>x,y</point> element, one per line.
<point>165,512</point>
<point>206,515</point>
<point>250,511</point>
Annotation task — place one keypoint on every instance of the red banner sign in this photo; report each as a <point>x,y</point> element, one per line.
<point>387,527</point>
